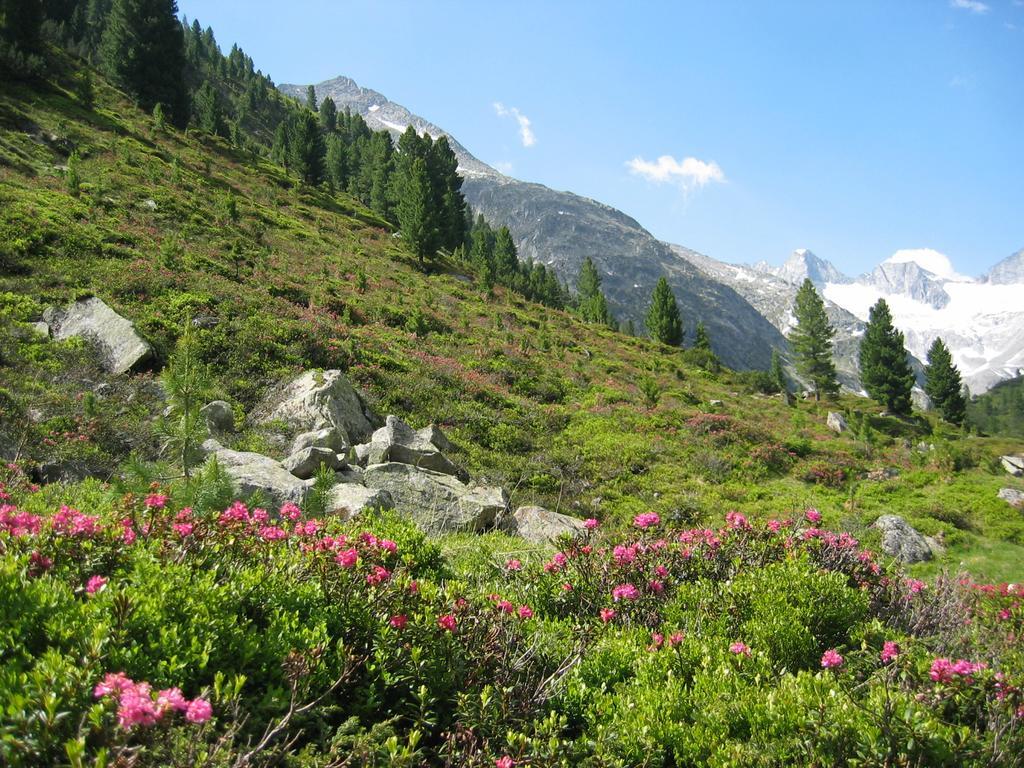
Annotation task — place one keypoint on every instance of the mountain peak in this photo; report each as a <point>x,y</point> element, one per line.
<point>1009,271</point>
<point>929,260</point>
<point>805,264</point>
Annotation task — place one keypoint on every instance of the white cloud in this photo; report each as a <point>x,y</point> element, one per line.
<point>974,6</point>
<point>525,130</point>
<point>688,173</point>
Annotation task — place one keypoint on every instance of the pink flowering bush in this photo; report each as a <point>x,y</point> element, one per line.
<point>216,618</point>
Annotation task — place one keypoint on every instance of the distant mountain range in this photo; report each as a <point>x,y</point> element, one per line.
<point>746,309</point>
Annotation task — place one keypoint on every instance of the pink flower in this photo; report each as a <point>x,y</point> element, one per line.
<point>625,592</point>
<point>656,586</point>
<point>136,707</point>
<point>890,650</point>
<point>590,523</point>
<point>113,682</point>
<point>156,501</point>
<point>525,612</point>
<point>183,529</point>
<point>740,649</point>
<point>260,516</point>
<point>513,565</point>
<point>567,587</point>
<point>347,558</point>
<point>646,520</point>
<point>199,711</point>
<point>290,511</point>
<point>915,585</point>
<point>813,516</point>
<point>624,555</point>
<point>272,533</point>
<point>505,606</point>
<point>128,531</point>
<point>378,575</point>
<point>774,526</point>
<point>399,621</point>
<point>171,698</point>
<point>504,762</point>
<point>831,659</point>
<point>39,563</point>
<point>447,622</point>
<point>661,570</point>
<point>736,520</point>
<point>675,639</point>
<point>95,584</point>
<point>387,545</point>
<point>944,670</point>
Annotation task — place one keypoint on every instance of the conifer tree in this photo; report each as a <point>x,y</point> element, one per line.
<point>143,51</point>
<point>413,210</point>
<point>812,341</point>
<point>663,321</point>
<point>506,261</point>
<point>328,115</point>
<point>884,370</point>
<point>943,384</point>
<point>305,147</point>
<point>593,306</point>
<point>776,372</point>
<point>311,98</point>
<point>701,340</point>
<point>206,110</point>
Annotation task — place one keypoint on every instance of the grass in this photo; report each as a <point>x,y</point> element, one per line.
<point>557,411</point>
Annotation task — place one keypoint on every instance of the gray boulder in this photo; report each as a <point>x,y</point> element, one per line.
<point>434,436</point>
<point>539,525</point>
<point>40,329</point>
<point>1013,464</point>
<point>120,345</point>
<point>901,540</point>
<point>219,417</point>
<point>397,442</point>
<point>437,502</point>
<point>836,422</point>
<point>251,472</point>
<point>319,400</point>
<point>305,463</point>
<point>329,437</point>
<point>69,471</point>
<point>1012,496</point>
<point>348,500</point>
<point>361,454</point>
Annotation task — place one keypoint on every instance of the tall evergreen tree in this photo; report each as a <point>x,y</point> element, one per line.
<point>305,147</point>
<point>812,341</point>
<point>143,51</point>
<point>506,261</point>
<point>413,210</point>
<point>311,98</point>
<point>593,306</point>
<point>776,372</point>
<point>20,22</point>
<point>328,115</point>
<point>884,370</point>
<point>943,384</point>
<point>663,321</point>
<point>701,340</point>
<point>206,110</point>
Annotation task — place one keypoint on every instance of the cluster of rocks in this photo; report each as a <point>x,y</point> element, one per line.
<point>391,466</point>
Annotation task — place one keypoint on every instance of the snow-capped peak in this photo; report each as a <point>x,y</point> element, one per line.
<point>931,260</point>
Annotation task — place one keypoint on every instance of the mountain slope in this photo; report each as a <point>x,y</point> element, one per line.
<point>561,229</point>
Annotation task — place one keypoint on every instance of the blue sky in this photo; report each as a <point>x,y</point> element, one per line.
<point>851,128</point>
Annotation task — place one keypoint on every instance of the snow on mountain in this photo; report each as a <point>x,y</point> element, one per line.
<point>803,264</point>
<point>1009,271</point>
<point>982,322</point>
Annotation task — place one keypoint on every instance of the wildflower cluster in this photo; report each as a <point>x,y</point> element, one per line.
<point>138,705</point>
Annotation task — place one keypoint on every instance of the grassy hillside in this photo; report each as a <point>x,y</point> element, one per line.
<point>562,413</point>
<point>1000,411</point>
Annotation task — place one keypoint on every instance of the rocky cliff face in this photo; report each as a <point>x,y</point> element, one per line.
<point>1009,271</point>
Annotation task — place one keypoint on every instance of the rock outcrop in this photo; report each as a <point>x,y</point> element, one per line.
<point>318,400</point>
<point>219,417</point>
<point>397,442</point>
<point>347,500</point>
<point>836,422</point>
<point>328,437</point>
<point>1012,496</point>
<point>1013,464</point>
<point>251,472</point>
<point>541,526</point>
<point>901,540</point>
<point>305,463</point>
<point>121,347</point>
<point>437,502</point>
